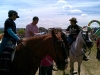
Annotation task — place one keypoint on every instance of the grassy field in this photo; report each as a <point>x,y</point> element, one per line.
<point>93,65</point>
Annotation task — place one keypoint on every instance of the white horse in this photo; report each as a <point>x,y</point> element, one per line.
<point>76,52</point>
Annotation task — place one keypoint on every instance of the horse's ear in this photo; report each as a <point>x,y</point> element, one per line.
<point>53,34</point>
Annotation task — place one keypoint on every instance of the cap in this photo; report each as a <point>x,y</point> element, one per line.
<point>11,12</point>
<point>73,19</point>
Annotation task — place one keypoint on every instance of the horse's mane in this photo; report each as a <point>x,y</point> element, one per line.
<point>36,40</point>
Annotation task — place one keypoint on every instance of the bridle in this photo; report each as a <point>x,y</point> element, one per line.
<point>86,43</point>
<point>64,52</point>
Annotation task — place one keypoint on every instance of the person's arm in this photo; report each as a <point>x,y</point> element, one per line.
<point>67,30</point>
<point>10,32</point>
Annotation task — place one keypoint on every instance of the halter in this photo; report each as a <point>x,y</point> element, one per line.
<point>86,43</point>
<point>64,52</point>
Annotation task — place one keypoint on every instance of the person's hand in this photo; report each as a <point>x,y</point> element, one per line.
<point>20,40</point>
<point>67,31</point>
<point>30,33</point>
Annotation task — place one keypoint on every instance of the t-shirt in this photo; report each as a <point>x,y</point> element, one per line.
<point>47,61</point>
<point>31,28</point>
<point>74,30</point>
<point>9,23</point>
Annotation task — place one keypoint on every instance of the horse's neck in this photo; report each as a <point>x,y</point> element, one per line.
<point>78,43</point>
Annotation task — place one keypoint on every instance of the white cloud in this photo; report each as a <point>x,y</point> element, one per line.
<point>22,9</point>
<point>75,11</point>
<point>67,7</point>
<point>61,2</point>
<point>84,15</point>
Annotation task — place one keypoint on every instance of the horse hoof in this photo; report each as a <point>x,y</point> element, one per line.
<point>75,72</point>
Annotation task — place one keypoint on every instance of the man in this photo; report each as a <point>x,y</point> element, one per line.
<point>73,31</point>
<point>32,28</point>
<point>10,30</point>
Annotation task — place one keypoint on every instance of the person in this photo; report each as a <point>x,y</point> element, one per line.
<point>46,66</point>
<point>73,31</point>
<point>10,30</point>
<point>32,28</point>
<point>7,46</point>
<point>31,31</point>
<point>98,48</point>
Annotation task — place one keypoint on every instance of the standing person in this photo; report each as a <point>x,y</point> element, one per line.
<point>73,30</point>
<point>98,48</point>
<point>10,30</point>
<point>32,28</point>
<point>46,66</point>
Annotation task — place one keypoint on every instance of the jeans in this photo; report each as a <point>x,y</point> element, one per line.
<point>45,70</point>
<point>70,39</point>
<point>2,45</point>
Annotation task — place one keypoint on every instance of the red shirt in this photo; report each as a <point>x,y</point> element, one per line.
<point>47,61</point>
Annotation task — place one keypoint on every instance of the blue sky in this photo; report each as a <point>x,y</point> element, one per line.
<point>52,13</point>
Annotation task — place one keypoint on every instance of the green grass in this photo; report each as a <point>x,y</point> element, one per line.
<point>92,66</point>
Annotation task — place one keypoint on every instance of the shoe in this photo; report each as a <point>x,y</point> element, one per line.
<point>98,59</point>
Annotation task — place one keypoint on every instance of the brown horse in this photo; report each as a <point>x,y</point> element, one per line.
<point>1,36</point>
<point>29,54</point>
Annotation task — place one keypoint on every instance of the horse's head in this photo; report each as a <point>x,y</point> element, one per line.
<point>60,50</point>
<point>87,39</point>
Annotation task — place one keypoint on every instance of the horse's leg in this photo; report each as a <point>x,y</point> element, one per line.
<point>79,67</point>
<point>71,67</point>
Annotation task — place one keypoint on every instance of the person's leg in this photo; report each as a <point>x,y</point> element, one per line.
<point>43,70</point>
<point>49,71</point>
<point>97,56</point>
<point>2,45</point>
<point>70,40</point>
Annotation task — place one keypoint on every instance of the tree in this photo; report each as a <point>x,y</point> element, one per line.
<point>21,32</point>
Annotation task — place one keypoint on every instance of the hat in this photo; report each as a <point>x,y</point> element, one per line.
<point>73,19</point>
<point>11,12</point>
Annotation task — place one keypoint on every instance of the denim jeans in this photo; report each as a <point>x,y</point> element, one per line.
<point>70,39</point>
<point>3,43</point>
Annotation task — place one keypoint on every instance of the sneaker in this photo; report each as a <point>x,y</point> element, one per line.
<point>98,59</point>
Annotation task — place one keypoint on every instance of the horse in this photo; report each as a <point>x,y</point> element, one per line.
<point>30,52</point>
<point>1,36</point>
<point>76,52</point>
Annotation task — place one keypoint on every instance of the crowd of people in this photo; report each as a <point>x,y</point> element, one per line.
<point>46,64</point>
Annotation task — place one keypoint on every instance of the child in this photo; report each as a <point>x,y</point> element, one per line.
<point>46,66</point>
